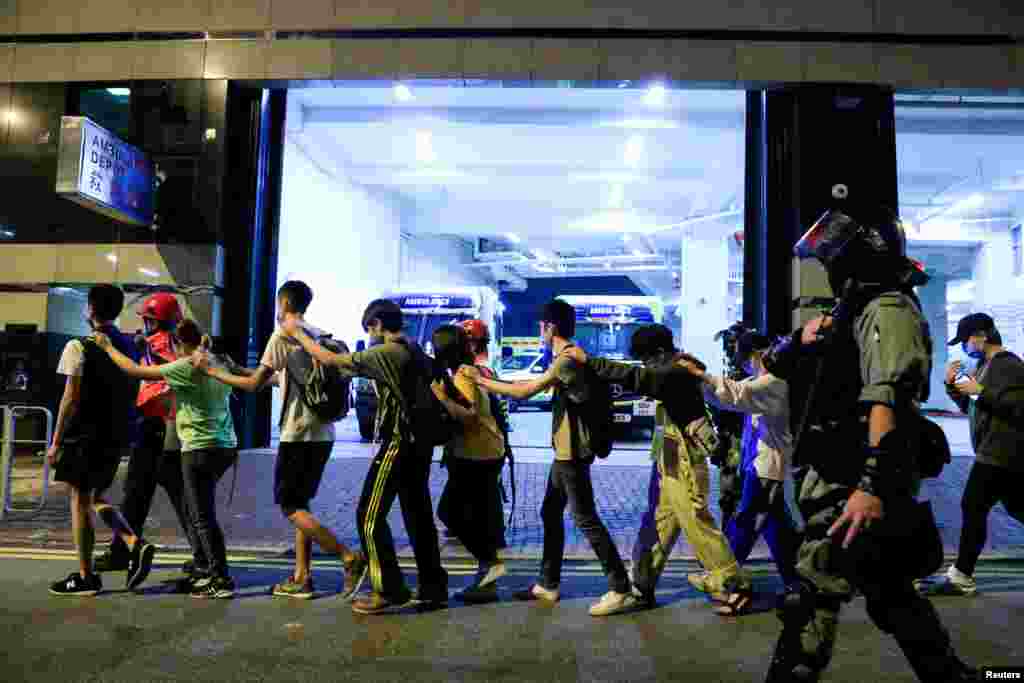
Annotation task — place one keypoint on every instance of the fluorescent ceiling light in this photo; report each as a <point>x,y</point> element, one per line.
<point>425,147</point>
<point>403,93</point>
<point>609,177</point>
<point>512,237</point>
<point>149,272</point>
<point>634,152</point>
<point>640,124</point>
<point>119,92</point>
<point>656,95</point>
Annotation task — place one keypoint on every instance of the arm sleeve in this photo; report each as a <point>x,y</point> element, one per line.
<point>467,387</point>
<point>275,356</point>
<point>378,363</point>
<point>72,360</point>
<point>178,374</point>
<point>659,382</point>
<point>894,350</point>
<point>565,370</point>
<point>766,395</point>
<point>1005,372</point>
<point>611,371</point>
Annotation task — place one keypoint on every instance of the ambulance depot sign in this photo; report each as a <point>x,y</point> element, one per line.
<point>102,173</point>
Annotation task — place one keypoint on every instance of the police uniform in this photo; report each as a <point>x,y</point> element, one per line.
<point>879,354</point>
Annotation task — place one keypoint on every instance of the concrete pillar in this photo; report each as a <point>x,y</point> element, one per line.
<point>704,290</point>
<point>933,302</point>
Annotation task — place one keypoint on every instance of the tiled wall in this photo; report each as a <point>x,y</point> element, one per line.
<point>979,17</point>
<point>726,61</point>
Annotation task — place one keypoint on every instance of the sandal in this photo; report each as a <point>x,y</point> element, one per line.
<point>736,605</point>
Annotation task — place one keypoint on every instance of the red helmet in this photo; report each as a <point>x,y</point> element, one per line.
<point>161,306</point>
<point>476,330</point>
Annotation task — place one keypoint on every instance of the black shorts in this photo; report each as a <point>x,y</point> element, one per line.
<point>88,466</point>
<point>297,472</point>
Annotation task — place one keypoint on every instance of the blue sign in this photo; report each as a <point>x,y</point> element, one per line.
<point>595,312</point>
<point>433,301</point>
<point>98,170</point>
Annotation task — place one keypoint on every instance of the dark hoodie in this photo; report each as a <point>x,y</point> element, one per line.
<point>661,379</point>
<point>997,415</point>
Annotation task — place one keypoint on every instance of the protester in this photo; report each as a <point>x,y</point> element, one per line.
<point>680,479</point>
<point>93,432</point>
<point>401,467</point>
<point>569,480</point>
<point>475,465</point>
<point>993,397</point>
<point>479,340</point>
<point>767,450</point>
<point>306,444</point>
<point>157,458</point>
<point>208,449</point>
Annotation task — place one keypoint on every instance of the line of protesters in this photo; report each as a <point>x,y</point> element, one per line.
<point>860,372</point>
<point>188,443</point>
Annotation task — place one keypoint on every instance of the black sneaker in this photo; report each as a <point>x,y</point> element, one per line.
<point>141,563</point>
<point>221,588</point>
<point>76,585</point>
<point>428,601</point>
<point>112,561</point>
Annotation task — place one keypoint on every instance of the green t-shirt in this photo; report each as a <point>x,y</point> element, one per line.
<point>204,416</point>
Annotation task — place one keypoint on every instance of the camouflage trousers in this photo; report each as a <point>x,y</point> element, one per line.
<point>832,576</point>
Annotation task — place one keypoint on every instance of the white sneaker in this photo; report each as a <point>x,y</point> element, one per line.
<point>613,603</point>
<point>488,574</point>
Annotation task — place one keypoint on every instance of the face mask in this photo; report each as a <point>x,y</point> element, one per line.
<point>971,352</point>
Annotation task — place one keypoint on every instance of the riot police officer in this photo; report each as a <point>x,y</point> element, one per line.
<point>861,373</point>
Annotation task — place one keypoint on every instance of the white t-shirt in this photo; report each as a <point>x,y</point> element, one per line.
<point>299,422</point>
<point>72,361</point>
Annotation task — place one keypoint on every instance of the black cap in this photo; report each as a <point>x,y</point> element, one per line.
<point>970,325</point>
<point>749,342</point>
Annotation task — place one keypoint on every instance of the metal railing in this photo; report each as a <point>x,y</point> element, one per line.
<point>10,415</point>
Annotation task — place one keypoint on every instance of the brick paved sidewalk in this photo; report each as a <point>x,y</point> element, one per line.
<point>252,522</point>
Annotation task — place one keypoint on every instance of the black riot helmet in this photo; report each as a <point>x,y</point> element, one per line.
<point>873,249</point>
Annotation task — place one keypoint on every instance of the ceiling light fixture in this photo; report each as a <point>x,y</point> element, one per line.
<point>425,147</point>
<point>656,95</point>
<point>403,93</point>
<point>640,124</point>
<point>634,151</point>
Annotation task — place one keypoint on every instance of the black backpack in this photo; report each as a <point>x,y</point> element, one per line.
<point>323,388</point>
<point>429,421</point>
<point>595,412</point>
<point>933,448</point>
